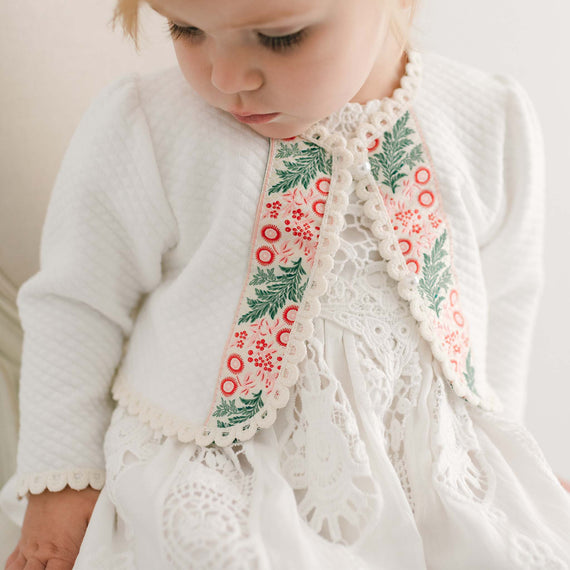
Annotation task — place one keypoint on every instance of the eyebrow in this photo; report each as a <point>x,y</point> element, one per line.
<point>285,20</point>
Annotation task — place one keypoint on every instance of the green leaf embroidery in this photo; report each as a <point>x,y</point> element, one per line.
<point>238,415</point>
<point>469,374</point>
<point>287,150</point>
<point>436,275</point>
<point>306,165</point>
<point>262,277</point>
<point>280,289</point>
<point>226,408</point>
<point>394,156</point>
<point>414,157</point>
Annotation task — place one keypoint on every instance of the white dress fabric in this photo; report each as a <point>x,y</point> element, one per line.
<point>375,463</point>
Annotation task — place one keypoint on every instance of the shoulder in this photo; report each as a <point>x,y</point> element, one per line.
<point>163,99</point>
<point>465,86</point>
<point>166,91</point>
<point>180,120</point>
<point>478,104</point>
<point>478,124</point>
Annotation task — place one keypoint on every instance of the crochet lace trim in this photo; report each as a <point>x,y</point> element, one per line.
<point>78,479</point>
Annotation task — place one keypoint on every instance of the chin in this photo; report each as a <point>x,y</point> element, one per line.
<point>279,130</point>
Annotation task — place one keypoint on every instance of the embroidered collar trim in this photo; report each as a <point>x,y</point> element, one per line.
<point>288,322</point>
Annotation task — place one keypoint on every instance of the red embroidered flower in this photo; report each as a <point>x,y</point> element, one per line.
<point>297,214</point>
<point>262,361</point>
<point>452,340</point>
<point>458,318</point>
<point>435,221</point>
<point>426,198</point>
<point>405,245</point>
<point>423,175</point>
<point>235,363</point>
<point>453,295</point>
<point>270,233</point>
<point>261,344</point>
<point>264,255</point>
<point>228,386</point>
<point>413,265</point>
<point>274,208</point>
<point>406,216</point>
<point>282,336</point>
<point>302,231</point>
<point>319,207</point>
<point>323,185</point>
<point>241,335</point>
<point>290,314</point>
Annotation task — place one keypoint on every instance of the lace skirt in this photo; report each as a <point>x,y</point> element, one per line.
<point>374,463</point>
<point>359,471</point>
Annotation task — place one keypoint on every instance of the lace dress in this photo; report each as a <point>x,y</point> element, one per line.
<point>374,463</point>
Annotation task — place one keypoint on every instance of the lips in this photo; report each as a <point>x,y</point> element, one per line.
<point>254,117</point>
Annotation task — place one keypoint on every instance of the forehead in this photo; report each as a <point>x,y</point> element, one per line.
<point>238,13</point>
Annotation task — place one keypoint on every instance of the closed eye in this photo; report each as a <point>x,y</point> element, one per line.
<point>281,43</point>
<point>275,43</point>
<point>177,32</point>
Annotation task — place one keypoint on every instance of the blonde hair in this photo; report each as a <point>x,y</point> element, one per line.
<point>127,13</point>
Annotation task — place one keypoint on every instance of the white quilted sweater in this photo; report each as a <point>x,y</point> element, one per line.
<point>148,234</point>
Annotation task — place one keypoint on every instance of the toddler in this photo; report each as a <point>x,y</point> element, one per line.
<point>284,307</point>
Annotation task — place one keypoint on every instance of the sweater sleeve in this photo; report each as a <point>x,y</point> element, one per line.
<point>107,225</point>
<point>513,258</point>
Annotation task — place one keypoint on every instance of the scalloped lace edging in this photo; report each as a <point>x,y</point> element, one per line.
<point>77,479</point>
<point>301,330</point>
<point>151,414</point>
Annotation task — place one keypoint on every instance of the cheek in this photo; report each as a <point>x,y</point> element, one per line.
<point>193,65</point>
<point>328,71</point>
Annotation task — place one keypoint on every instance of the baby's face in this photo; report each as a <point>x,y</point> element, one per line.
<point>298,59</point>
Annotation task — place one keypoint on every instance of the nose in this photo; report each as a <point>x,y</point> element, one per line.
<point>233,71</point>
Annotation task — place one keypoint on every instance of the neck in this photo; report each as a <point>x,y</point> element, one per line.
<point>386,73</point>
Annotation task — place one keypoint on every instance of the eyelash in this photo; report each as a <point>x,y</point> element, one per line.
<point>275,43</point>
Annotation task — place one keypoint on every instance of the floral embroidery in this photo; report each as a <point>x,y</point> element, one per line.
<point>306,162</point>
<point>285,241</point>
<point>407,187</point>
<point>280,288</point>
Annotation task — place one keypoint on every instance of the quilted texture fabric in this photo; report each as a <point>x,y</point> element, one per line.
<point>147,238</point>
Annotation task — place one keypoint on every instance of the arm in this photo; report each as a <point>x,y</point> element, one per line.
<point>107,226</point>
<point>512,258</point>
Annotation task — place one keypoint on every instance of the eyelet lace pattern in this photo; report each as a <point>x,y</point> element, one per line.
<point>323,447</point>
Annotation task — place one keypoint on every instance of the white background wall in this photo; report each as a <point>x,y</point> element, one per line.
<point>58,54</point>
